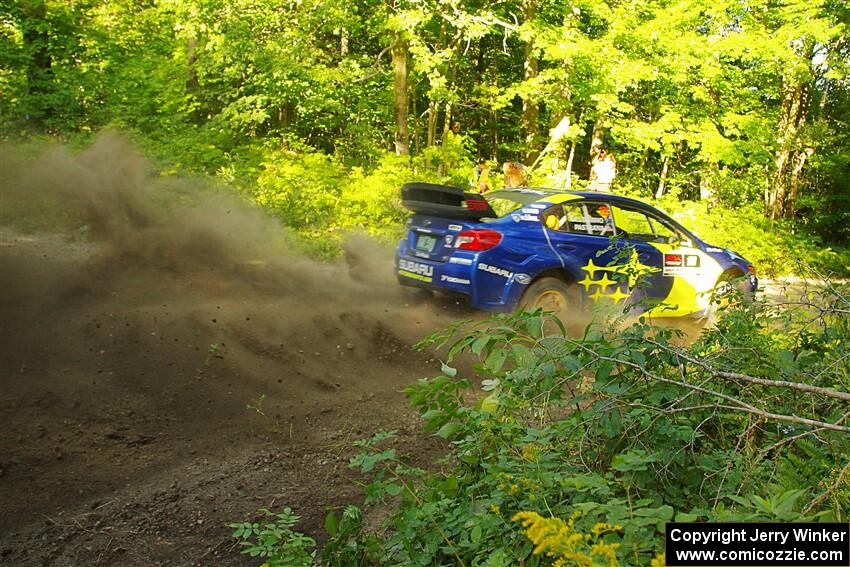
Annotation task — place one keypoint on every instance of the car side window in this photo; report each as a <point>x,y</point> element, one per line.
<point>580,218</point>
<point>640,225</point>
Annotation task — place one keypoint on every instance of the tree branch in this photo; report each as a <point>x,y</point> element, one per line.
<point>825,494</point>
<point>829,392</point>
<point>740,405</point>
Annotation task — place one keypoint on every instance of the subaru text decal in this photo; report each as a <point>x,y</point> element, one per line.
<point>495,270</point>
<point>415,270</point>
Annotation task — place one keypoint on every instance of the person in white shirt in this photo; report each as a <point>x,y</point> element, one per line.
<point>602,172</point>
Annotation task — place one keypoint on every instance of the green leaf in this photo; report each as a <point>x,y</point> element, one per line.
<point>331,523</point>
<point>495,360</point>
<point>448,430</point>
<point>479,344</point>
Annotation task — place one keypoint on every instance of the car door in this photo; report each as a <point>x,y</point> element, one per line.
<point>675,276</point>
<point>581,233</point>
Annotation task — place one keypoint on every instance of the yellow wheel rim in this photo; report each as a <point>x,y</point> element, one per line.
<point>551,300</point>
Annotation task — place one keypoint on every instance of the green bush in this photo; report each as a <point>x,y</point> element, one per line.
<point>273,539</point>
<point>302,187</point>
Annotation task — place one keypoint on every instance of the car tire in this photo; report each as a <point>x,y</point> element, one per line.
<point>550,294</point>
<point>728,283</point>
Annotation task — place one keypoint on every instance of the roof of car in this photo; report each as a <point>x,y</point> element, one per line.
<point>544,192</point>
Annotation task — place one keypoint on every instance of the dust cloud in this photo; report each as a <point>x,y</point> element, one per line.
<point>144,231</point>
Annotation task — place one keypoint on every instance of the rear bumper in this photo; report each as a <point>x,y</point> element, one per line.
<point>417,272</point>
<point>467,273</point>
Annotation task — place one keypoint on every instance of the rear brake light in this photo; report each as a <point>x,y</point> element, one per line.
<point>476,204</point>
<point>478,240</point>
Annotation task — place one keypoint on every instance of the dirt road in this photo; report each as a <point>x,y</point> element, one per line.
<point>173,372</point>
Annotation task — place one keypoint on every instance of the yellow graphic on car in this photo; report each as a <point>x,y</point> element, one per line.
<point>633,270</point>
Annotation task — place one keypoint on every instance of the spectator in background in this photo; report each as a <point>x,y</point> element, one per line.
<point>603,171</point>
<point>515,175</point>
<point>482,176</point>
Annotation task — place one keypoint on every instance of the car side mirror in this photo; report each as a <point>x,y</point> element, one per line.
<point>675,240</point>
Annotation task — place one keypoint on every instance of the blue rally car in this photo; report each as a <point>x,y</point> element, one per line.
<point>560,250</point>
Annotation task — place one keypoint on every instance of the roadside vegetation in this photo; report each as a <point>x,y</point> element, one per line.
<point>579,450</point>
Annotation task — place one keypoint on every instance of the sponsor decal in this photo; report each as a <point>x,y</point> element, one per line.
<point>455,227</point>
<point>539,205</point>
<point>531,211</point>
<point>451,279</point>
<point>523,279</point>
<point>413,276</point>
<point>616,289</point>
<point>420,254</point>
<point>713,249</point>
<point>515,217</point>
<point>461,261</point>
<point>495,270</point>
<point>415,268</point>
<point>529,217</point>
<point>672,259</point>
<point>449,238</point>
<point>678,264</point>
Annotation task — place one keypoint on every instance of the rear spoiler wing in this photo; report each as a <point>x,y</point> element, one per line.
<point>444,201</point>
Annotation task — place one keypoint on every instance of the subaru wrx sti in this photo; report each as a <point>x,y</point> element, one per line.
<point>561,251</point>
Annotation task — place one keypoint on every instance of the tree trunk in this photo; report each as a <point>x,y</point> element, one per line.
<point>788,163</point>
<point>662,181</point>
<point>432,123</point>
<point>596,138</point>
<point>494,126</point>
<point>192,83</point>
<point>431,136</point>
<point>399,55</point>
<point>570,165</point>
<point>797,179</point>
<point>191,58</point>
<point>530,119</point>
<point>36,40</point>
<point>343,42</point>
<point>447,122</point>
<point>447,128</point>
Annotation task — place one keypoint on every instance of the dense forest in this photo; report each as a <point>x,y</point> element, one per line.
<point>727,112</point>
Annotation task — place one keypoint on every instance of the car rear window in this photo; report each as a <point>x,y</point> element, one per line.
<point>506,202</point>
